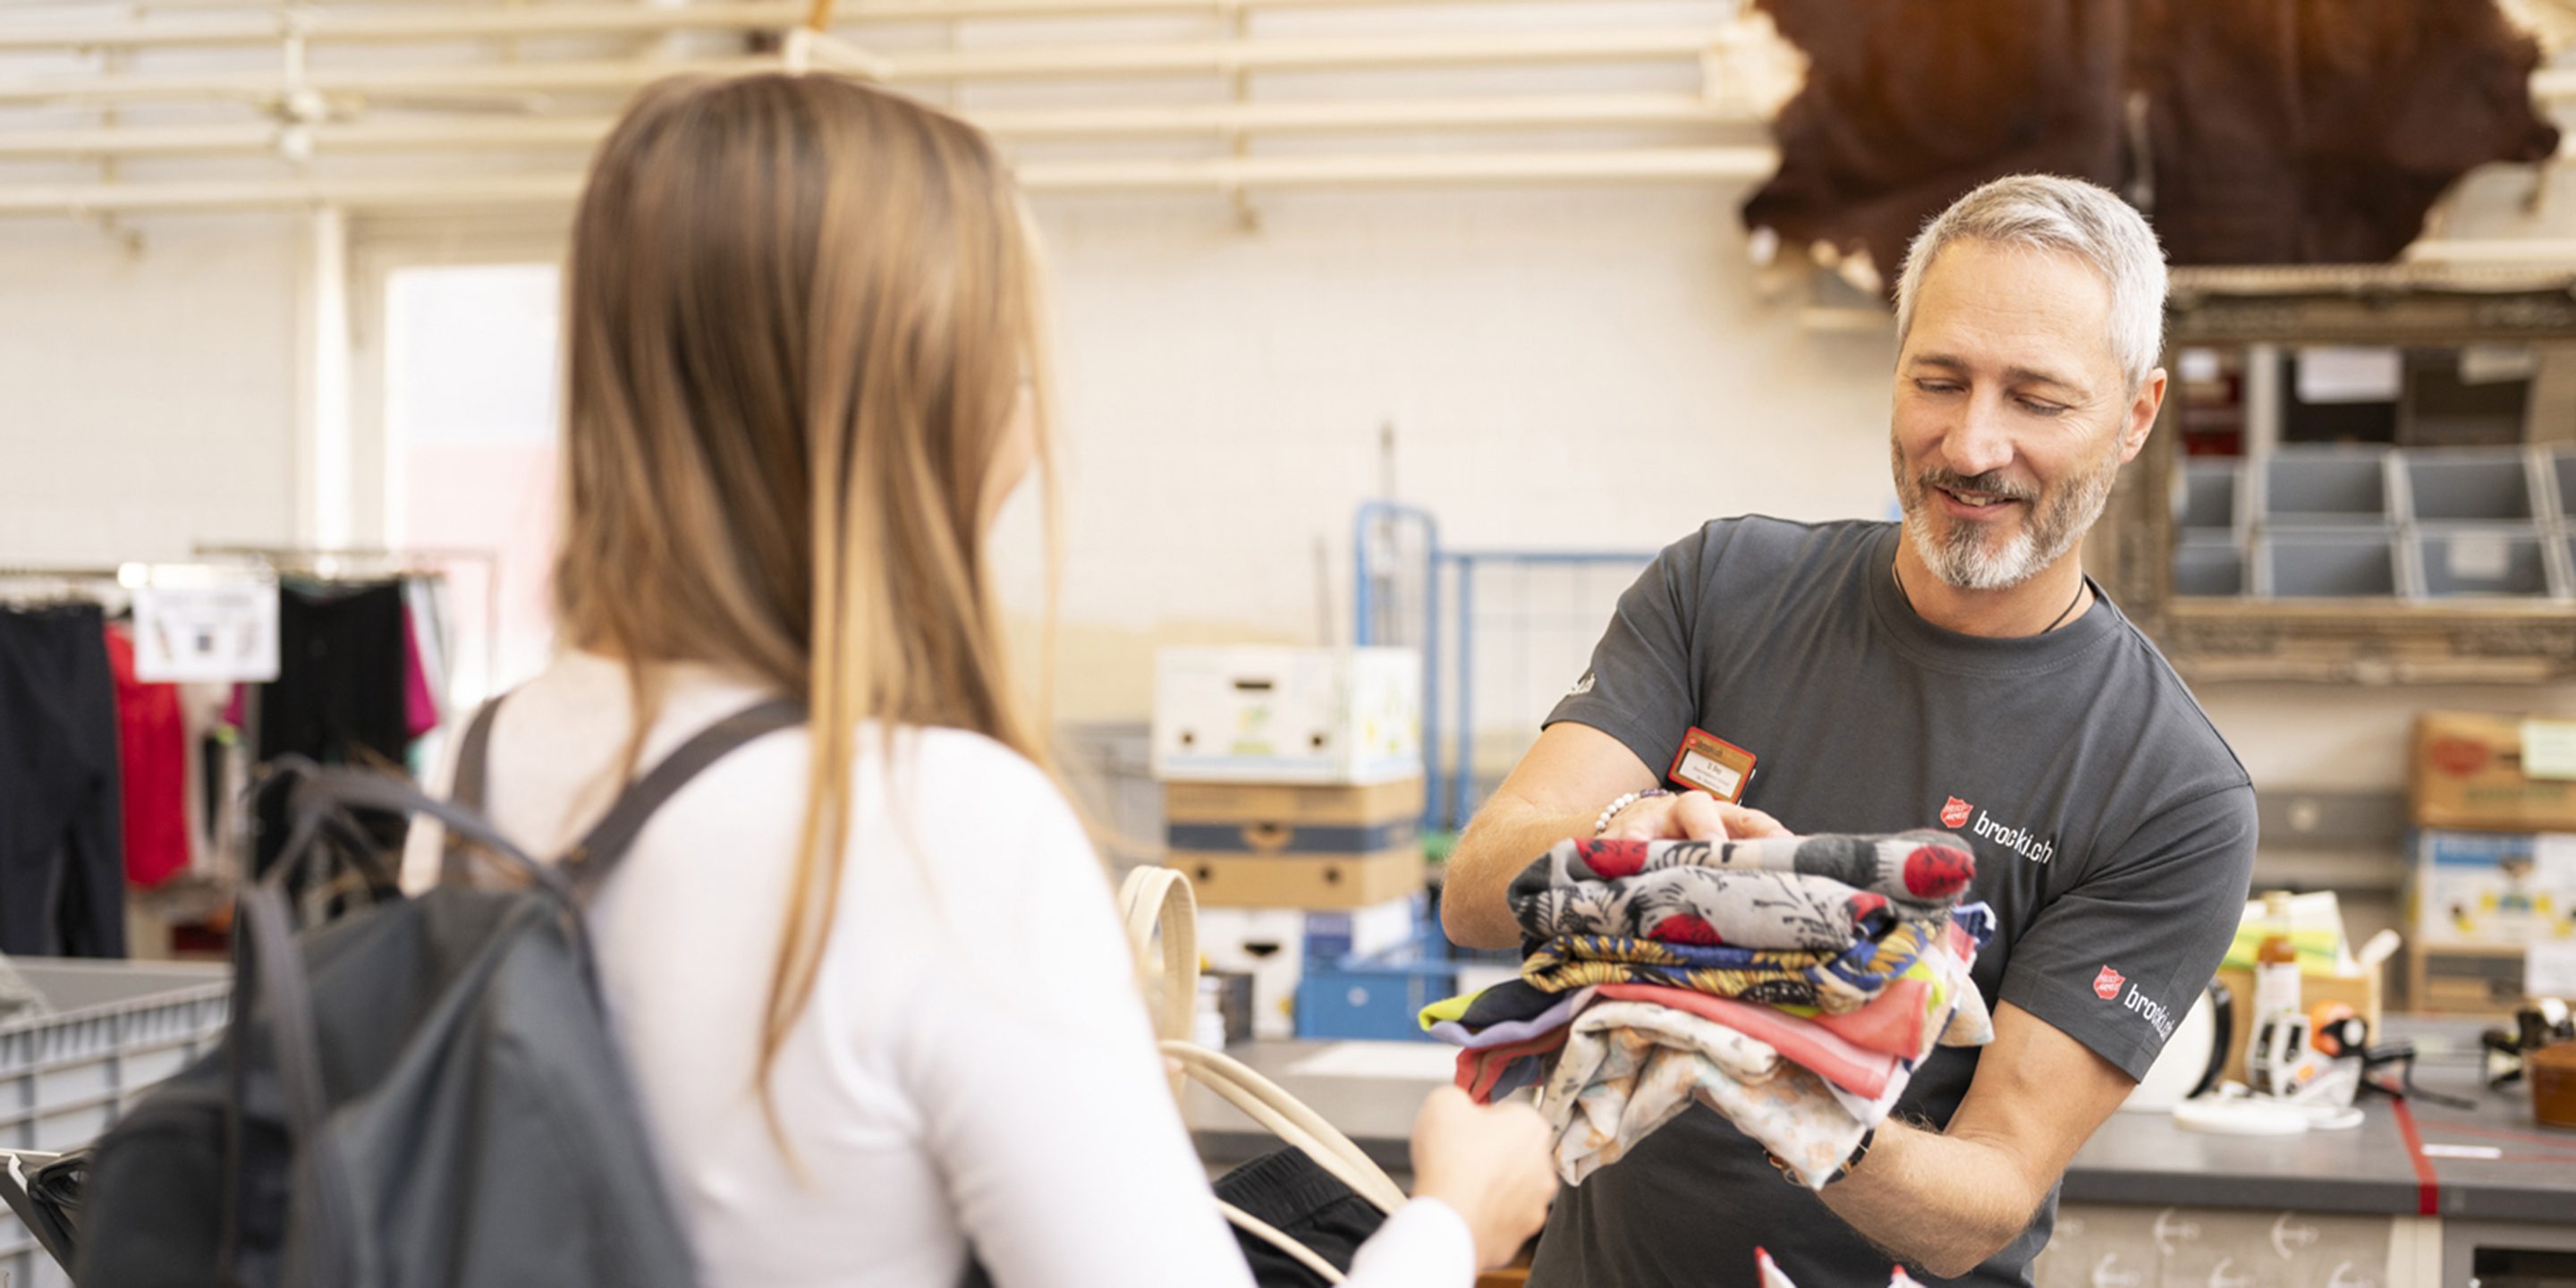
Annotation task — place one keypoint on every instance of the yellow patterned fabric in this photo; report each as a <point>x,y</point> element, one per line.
<point>1832,983</point>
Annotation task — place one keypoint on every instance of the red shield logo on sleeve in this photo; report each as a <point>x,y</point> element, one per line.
<point>2107,984</point>
<point>1955,814</point>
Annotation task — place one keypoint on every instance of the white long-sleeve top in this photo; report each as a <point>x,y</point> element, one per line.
<point>975,1069</point>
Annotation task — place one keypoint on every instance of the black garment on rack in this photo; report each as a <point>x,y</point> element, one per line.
<point>338,696</point>
<point>62,822</point>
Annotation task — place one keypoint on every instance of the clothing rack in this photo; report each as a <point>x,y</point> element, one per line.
<point>24,586</point>
<point>337,563</point>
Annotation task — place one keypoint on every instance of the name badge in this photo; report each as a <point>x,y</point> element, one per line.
<point>1711,764</point>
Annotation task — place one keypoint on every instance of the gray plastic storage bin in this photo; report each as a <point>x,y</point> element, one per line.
<point>2208,568</point>
<point>2470,486</point>
<point>2209,495</point>
<point>2327,565</point>
<point>116,1029</point>
<point>2483,562</point>
<point>2328,488</point>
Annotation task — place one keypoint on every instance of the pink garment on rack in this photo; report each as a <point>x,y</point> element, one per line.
<point>236,710</point>
<point>420,708</point>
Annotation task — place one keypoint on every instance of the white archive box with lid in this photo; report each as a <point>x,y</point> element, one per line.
<point>1287,715</point>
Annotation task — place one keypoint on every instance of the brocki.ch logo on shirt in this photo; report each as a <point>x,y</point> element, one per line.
<point>2019,840</point>
<point>2107,986</point>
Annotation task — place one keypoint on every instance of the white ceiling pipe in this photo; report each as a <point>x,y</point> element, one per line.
<point>1227,120</point>
<point>1199,120</point>
<point>255,21</point>
<point>498,79</point>
<point>1180,57</point>
<point>2495,250</point>
<point>321,25</point>
<point>1314,54</point>
<point>1221,175</point>
<point>355,136</point>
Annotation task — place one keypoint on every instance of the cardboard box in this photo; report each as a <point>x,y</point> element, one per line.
<point>2363,993</point>
<point>1287,715</point>
<point>1268,944</point>
<point>1357,881</point>
<point>2468,773</point>
<point>2492,889</point>
<point>2462,979</point>
<point>1271,819</point>
<point>1294,804</point>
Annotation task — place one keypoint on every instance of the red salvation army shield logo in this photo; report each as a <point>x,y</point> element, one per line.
<point>2107,984</point>
<point>1955,814</point>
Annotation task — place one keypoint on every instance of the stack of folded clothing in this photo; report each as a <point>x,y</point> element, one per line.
<point>1791,984</point>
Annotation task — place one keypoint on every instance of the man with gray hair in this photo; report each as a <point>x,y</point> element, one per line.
<point>1957,670</point>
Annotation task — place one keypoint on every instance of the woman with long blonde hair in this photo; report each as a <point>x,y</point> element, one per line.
<point>879,1007</point>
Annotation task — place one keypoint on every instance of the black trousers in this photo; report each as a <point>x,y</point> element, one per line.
<point>338,696</point>
<point>62,830</point>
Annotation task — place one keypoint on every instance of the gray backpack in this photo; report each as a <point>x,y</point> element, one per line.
<point>422,1092</point>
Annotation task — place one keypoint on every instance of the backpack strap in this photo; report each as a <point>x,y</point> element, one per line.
<point>474,757</point>
<point>595,857</point>
<point>473,771</point>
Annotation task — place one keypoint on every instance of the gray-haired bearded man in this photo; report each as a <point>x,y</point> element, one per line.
<point>1956,670</point>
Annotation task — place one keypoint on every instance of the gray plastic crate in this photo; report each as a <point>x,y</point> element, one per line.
<point>2328,565</point>
<point>2470,485</point>
<point>2331,487</point>
<point>2483,561</point>
<point>2209,495</point>
<point>116,1029</point>
<point>2208,568</point>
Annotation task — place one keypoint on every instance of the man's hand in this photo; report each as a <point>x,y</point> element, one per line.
<point>1556,792</point>
<point>1947,1201</point>
<point>1690,816</point>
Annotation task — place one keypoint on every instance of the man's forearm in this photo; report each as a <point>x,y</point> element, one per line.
<point>1504,836</point>
<point>1942,1203</point>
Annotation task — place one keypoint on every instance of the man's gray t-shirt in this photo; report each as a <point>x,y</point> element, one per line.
<point>2113,829</point>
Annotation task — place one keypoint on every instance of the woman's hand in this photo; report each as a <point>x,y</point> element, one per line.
<point>1490,1164</point>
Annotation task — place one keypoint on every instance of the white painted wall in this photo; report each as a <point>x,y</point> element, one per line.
<point>147,401</point>
<point>1561,368</point>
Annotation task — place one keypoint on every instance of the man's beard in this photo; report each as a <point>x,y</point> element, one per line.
<point>1960,553</point>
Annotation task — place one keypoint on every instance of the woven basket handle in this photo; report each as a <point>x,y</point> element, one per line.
<point>1288,1118</point>
<point>1161,898</point>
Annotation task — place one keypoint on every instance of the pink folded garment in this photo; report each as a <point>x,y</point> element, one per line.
<point>1479,1068</point>
<point>1893,1023</point>
<point>1803,1042</point>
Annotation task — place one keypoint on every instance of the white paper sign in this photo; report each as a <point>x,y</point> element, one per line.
<point>2549,748</point>
<point>2549,968</point>
<point>216,633</point>
<point>2350,374</point>
<point>2553,860</point>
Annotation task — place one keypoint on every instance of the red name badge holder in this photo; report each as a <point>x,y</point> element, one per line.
<point>1711,764</point>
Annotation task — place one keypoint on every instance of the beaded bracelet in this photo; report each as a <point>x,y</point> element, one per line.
<point>1602,824</point>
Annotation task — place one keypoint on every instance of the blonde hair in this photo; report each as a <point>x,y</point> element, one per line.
<point>801,313</point>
